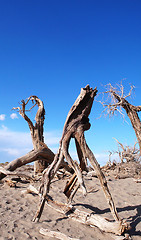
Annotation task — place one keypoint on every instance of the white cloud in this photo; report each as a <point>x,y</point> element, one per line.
<point>15,144</point>
<point>11,151</point>
<point>14,115</point>
<point>2,117</point>
<point>102,158</point>
<point>52,138</point>
<point>4,127</point>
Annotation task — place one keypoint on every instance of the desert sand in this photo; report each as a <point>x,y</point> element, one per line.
<point>17,209</point>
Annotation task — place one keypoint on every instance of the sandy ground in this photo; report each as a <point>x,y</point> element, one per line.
<point>17,210</point>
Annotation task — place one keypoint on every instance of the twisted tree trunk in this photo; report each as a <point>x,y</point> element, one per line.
<point>36,129</point>
<point>76,123</point>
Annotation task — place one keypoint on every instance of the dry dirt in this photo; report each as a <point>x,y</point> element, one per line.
<point>17,210</point>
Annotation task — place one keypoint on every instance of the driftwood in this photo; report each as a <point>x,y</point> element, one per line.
<point>76,123</point>
<point>11,183</point>
<point>90,219</point>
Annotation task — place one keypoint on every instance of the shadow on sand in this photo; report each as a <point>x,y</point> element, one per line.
<point>133,220</point>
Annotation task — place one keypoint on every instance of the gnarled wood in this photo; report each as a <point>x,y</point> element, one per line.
<point>34,155</point>
<point>76,123</point>
<point>36,129</point>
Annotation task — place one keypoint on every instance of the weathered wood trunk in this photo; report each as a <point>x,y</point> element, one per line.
<point>136,123</point>
<point>132,113</point>
<point>76,123</point>
<point>36,129</point>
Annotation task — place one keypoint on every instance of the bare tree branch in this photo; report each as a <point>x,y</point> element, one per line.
<point>116,102</point>
<point>128,153</point>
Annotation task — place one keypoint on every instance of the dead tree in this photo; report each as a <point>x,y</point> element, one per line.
<point>128,153</point>
<point>76,123</point>
<point>118,102</point>
<point>36,129</point>
<point>41,155</point>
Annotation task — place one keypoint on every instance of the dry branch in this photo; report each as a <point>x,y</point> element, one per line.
<point>118,102</point>
<point>128,153</point>
<point>6,172</point>
<point>57,235</point>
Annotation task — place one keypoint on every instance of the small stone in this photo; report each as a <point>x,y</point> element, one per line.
<point>20,209</point>
<point>15,225</point>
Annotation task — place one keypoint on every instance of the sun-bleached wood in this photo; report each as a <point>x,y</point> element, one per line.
<point>58,235</point>
<point>90,219</point>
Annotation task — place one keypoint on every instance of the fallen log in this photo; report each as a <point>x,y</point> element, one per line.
<point>34,155</point>
<point>90,219</point>
<point>6,172</point>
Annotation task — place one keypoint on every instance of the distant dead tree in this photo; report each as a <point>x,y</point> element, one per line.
<point>128,153</point>
<point>116,102</point>
<point>36,129</point>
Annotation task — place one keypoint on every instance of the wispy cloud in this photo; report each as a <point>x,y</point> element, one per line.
<point>102,158</point>
<point>15,144</point>
<point>52,138</point>
<point>2,117</point>
<point>11,151</point>
<point>13,116</point>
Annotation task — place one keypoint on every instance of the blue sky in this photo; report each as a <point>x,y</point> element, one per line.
<point>54,48</point>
